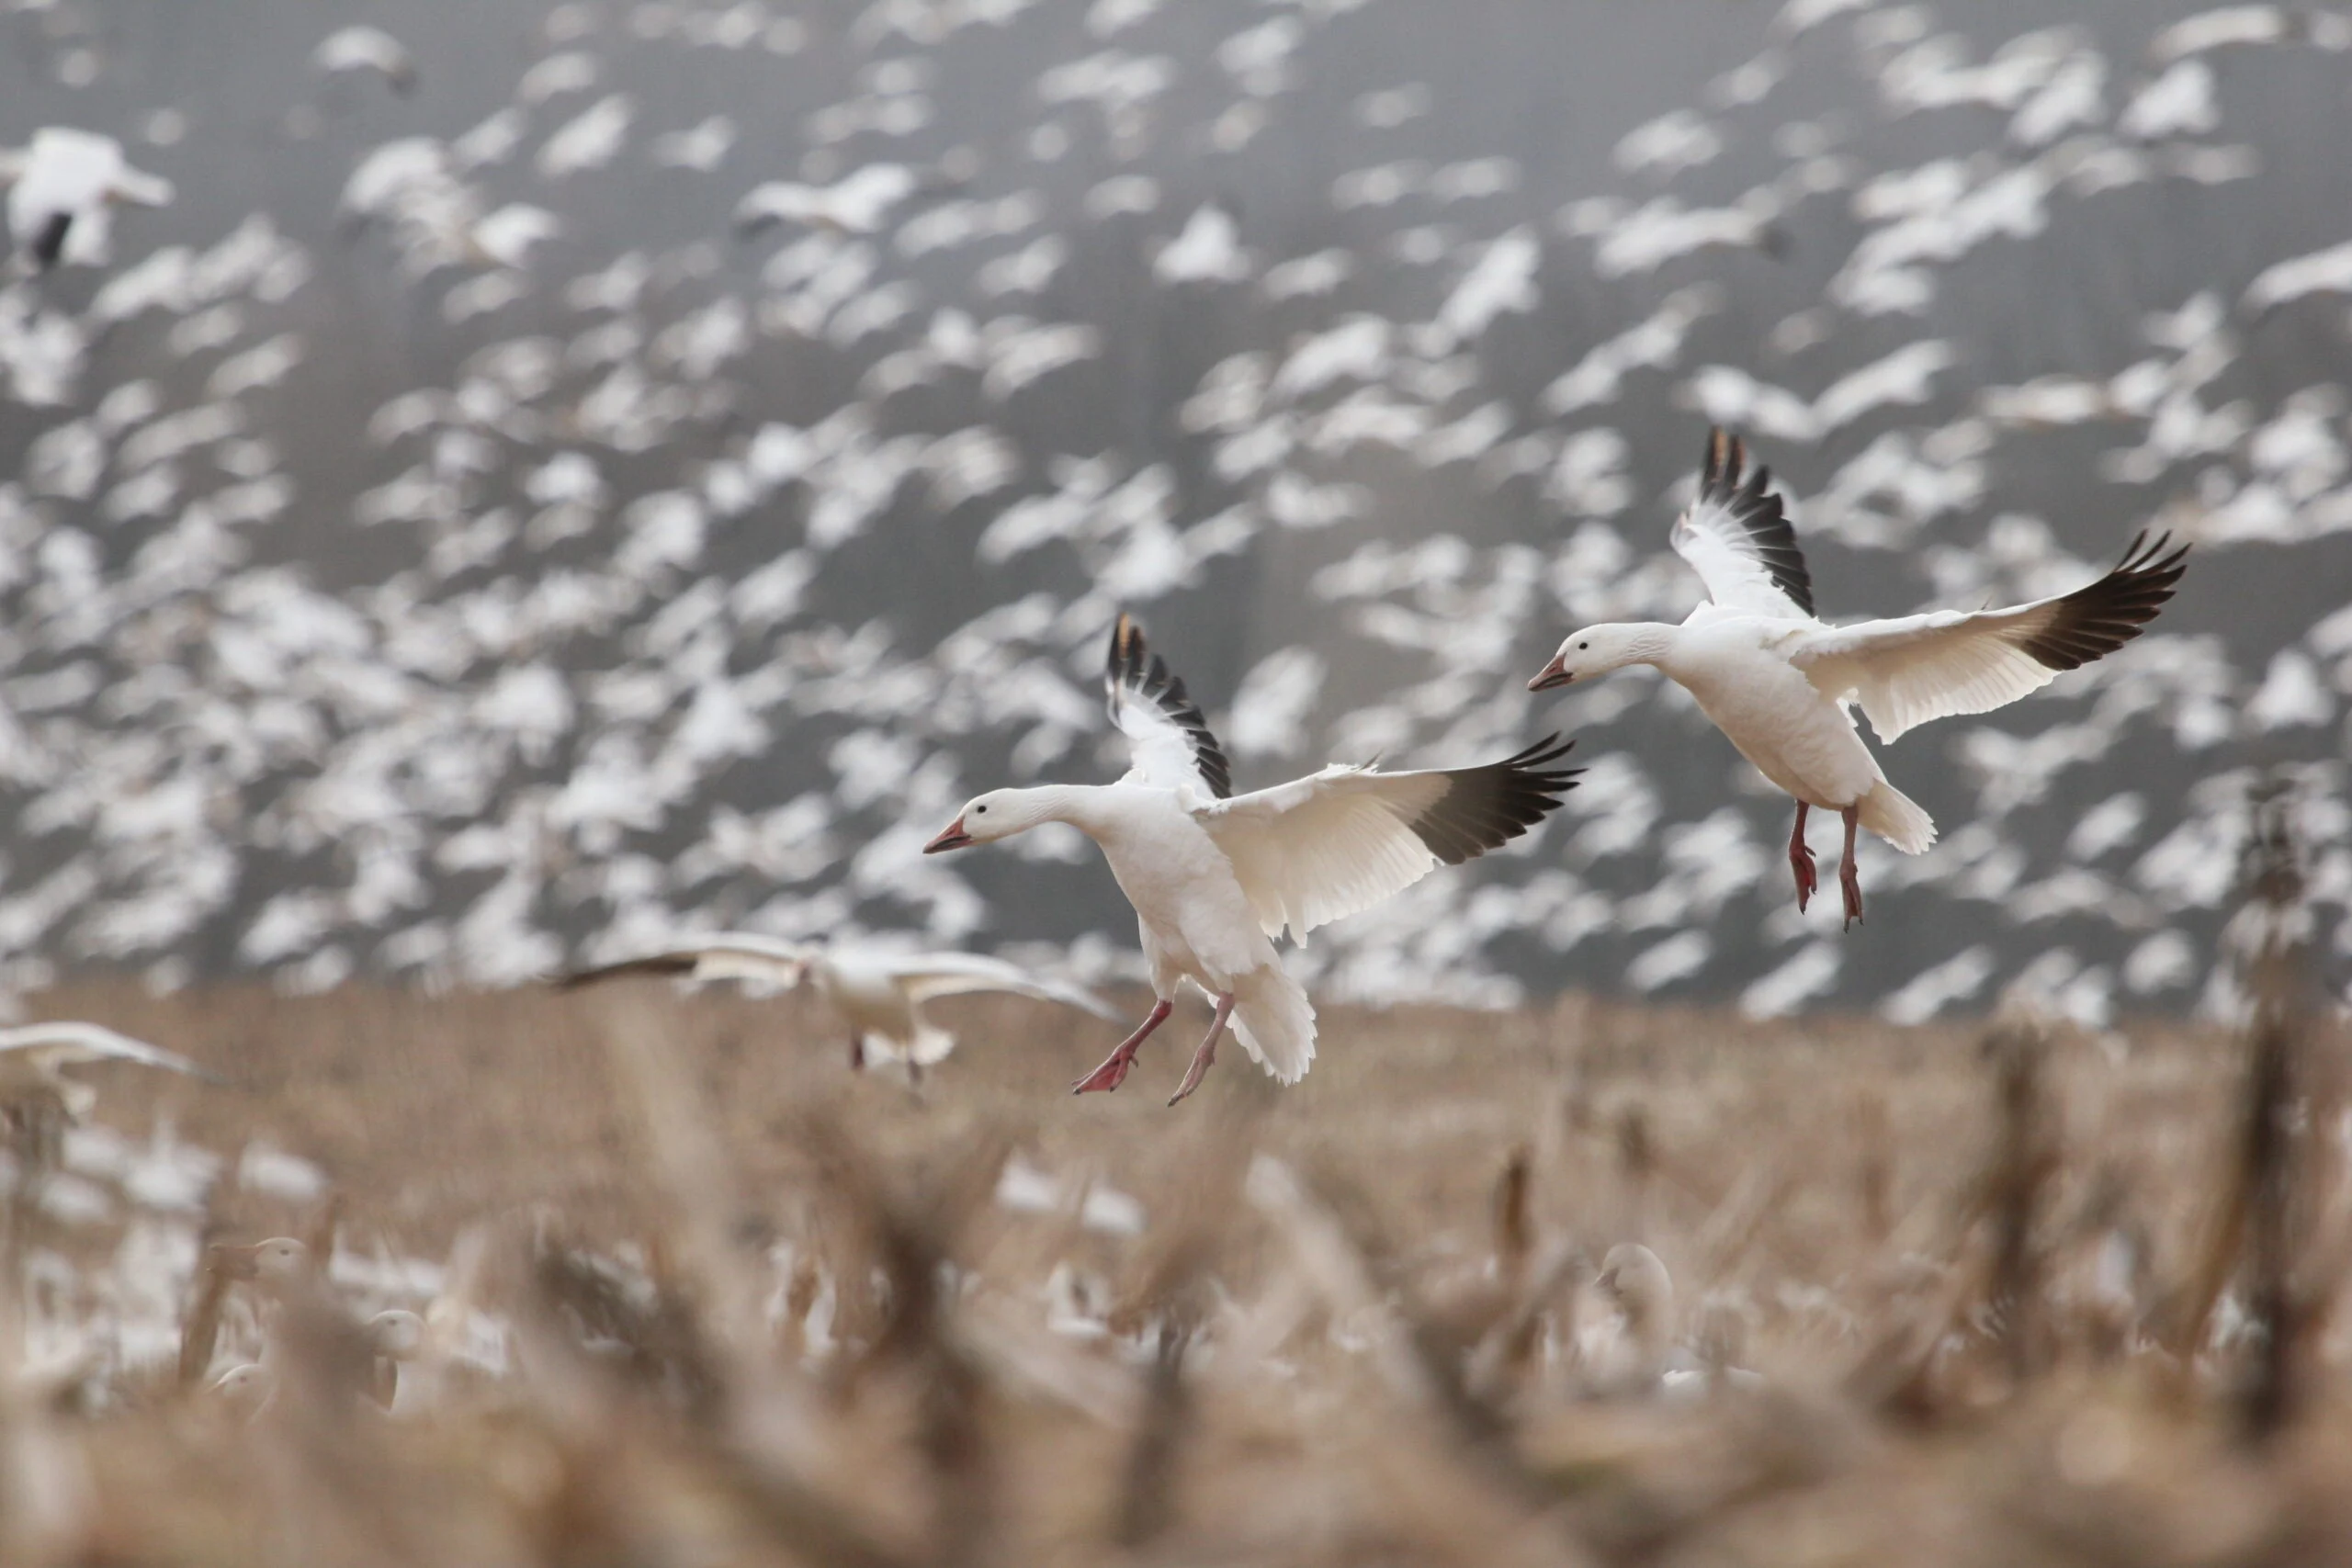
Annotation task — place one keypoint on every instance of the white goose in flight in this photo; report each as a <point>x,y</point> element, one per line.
<point>878,994</point>
<point>65,183</point>
<point>1214,876</point>
<point>1780,683</point>
<point>34,1057</point>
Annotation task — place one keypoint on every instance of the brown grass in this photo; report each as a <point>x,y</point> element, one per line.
<point>1366,1351</point>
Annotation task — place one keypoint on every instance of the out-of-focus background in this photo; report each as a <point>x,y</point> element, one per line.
<point>508,484</point>
<point>598,469</point>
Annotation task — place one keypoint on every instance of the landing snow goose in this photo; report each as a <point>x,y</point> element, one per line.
<point>34,1057</point>
<point>879,995</point>
<point>1215,877</point>
<point>1780,683</point>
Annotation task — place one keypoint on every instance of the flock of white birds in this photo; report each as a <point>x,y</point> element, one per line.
<point>708,570</point>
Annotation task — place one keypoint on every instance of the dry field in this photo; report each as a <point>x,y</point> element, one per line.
<point>1938,1296</point>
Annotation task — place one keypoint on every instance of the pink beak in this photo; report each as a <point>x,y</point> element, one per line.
<point>1551,675</point>
<point>951,837</point>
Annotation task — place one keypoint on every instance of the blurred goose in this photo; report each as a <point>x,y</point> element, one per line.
<point>34,1057</point>
<point>63,185</point>
<point>879,995</point>
<point>1214,876</point>
<point>361,49</point>
<point>1780,683</point>
<point>1644,1358</point>
<point>1633,1280</point>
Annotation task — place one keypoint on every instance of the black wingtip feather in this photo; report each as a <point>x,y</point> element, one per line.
<point>48,241</point>
<point>1485,807</point>
<point>1132,667</point>
<point>1756,509</point>
<point>2094,621</point>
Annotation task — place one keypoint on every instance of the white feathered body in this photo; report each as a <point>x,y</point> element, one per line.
<point>1195,918</point>
<point>1736,667</point>
<point>871,998</point>
<point>1783,685</point>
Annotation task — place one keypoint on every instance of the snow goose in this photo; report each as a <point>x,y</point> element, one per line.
<point>362,48</point>
<point>34,1057</point>
<point>878,994</point>
<point>1779,682</point>
<point>66,181</point>
<point>1215,877</point>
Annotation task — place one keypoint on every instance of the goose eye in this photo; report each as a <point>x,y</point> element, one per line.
<point>979,811</point>
<point>1584,645</point>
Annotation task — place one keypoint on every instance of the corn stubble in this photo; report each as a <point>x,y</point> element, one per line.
<point>2014,1294</point>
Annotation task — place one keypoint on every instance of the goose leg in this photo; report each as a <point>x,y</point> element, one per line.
<point>1114,1070</point>
<point>1207,1052</point>
<point>1850,875</point>
<point>1801,861</point>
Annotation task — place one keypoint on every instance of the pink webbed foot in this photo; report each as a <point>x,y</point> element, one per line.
<point>1206,1054</point>
<point>1114,1070</point>
<point>1801,862</point>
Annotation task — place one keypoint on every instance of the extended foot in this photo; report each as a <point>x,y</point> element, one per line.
<point>1801,862</point>
<point>1114,1070</point>
<point>1849,875</point>
<point>1109,1076</point>
<point>1206,1054</point>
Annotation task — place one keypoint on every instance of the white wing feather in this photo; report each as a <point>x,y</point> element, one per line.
<point>67,1043</point>
<point>1172,745</point>
<point>1321,848</point>
<point>1737,537</point>
<point>1907,671</point>
<point>929,975</point>
<point>1162,756</point>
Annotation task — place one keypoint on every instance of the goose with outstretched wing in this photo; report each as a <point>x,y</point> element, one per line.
<point>880,993</point>
<point>1781,683</point>
<point>1215,877</point>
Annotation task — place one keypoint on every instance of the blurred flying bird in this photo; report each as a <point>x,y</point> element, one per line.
<point>34,1057</point>
<point>879,995</point>
<point>65,183</point>
<point>1215,877</point>
<point>857,205</point>
<point>365,48</point>
<point>1777,681</point>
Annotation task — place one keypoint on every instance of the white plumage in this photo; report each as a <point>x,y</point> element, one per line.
<point>1216,878</point>
<point>65,182</point>
<point>363,48</point>
<point>1777,681</point>
<point>34,1057</point>
<point>878,994</point>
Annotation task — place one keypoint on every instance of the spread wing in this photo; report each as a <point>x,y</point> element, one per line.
<point>65,1043</point>
<point>1910,669</point>
<point>1171,740</point>
<point>928,975</point>
<point>1737,538</point>
<point>1312,851</point>
<point>728,955</point>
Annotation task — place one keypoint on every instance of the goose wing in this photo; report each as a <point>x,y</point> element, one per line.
<point>67,1043</point>
<point>730,956</point>
<point>927,974</point>
<point>1737,538</point>
<point>1319,848</point>
<point>1171,741</point>
<point>1909,670</point>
